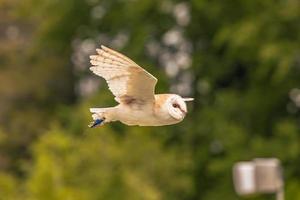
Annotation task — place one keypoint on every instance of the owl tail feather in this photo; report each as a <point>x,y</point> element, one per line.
<point>99,110</point>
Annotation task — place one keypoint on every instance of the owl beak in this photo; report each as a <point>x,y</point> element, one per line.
<point>188,99</point>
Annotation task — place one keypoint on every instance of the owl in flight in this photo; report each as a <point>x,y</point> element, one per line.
<point>133,88</point>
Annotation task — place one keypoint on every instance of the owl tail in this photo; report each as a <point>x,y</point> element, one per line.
<point>100,116</point>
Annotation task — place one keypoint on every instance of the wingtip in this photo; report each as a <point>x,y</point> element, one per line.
<point>92,57</point>
<point>105,48</point>
<point>92,69</point>
<point>94,62</point>
<point>99,50</point>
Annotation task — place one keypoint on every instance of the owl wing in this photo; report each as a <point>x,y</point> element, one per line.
<point>126,80</point>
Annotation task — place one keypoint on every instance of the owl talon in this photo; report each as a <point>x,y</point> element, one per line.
<point>96,123</point>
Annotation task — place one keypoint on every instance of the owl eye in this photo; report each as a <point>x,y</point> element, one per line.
<point>175,105</point>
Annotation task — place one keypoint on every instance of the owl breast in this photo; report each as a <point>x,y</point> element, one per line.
<point>144,115</point>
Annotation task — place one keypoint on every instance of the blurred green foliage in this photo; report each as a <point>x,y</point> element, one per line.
<point>244,76</point>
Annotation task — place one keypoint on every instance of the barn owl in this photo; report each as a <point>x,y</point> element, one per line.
<point>133,88</point>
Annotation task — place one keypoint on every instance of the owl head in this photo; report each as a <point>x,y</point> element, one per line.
<point>177,106</point>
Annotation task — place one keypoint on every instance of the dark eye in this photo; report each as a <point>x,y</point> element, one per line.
<point>175,105</point>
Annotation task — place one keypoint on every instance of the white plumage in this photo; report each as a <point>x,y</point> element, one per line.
<point>133,88</point>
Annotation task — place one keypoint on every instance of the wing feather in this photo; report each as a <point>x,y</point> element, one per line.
<point>124,77</point>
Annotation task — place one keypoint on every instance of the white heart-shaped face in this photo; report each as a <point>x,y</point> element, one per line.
<point>177,107</point>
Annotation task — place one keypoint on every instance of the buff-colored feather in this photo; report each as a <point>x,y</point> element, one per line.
<point>123,76</point>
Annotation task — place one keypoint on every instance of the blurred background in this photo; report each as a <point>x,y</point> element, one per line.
<point>240,60</point>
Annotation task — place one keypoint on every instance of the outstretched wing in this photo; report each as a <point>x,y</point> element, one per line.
<point>126,80</point>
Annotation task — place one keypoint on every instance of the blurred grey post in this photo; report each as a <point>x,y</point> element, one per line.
<point>262,175</point>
